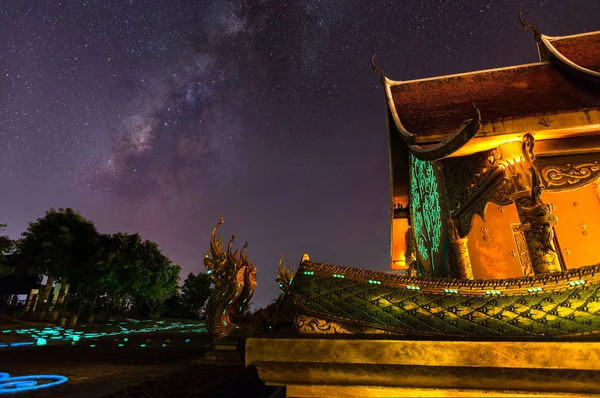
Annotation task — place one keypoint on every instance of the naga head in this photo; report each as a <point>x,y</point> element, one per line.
<point>285,275</point>
<point>234,278</point>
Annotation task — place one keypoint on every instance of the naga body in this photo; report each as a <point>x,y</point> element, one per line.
<point>329,299</point>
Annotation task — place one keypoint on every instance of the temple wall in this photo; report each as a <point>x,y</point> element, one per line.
<point>399,231</point>
<point>492,247</point>
<point>578,225</point>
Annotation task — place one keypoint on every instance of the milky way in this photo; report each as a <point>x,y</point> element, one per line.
<point>159,116</point>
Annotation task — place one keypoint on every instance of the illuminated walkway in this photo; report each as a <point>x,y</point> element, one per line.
<point>28,336</point>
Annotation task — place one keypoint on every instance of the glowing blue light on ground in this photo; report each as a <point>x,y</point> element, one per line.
<point>9,385</point>
<point>21,343</point>
<point>46,335</point>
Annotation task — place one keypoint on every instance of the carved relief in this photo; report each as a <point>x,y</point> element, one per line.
<point>465,174</point>
<point>537,224</point>
<point>485,231</point>
<point>566,176</point>
<point>543,257</point>
<point>496,189</point>
<point>509,180</point>
<point>546,122</point>
<point>522,250</point>
<point>310,325</point>
<point>584,230</point>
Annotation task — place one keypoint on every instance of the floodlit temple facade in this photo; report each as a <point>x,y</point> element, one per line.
<point>466,150</point>
<point>495,208</point>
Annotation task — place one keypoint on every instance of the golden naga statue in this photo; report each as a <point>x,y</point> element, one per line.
<point>234,279</point>
<point>475,214</point>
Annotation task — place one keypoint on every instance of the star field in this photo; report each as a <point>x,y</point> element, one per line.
<point>159,116</point>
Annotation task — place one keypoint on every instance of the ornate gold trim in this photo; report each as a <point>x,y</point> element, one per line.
<point>597,187</point>
<point>510,179</point>
<point>522,250</point>
<point>554,282</point>
<point>568,176</point>
<point>310,325</point>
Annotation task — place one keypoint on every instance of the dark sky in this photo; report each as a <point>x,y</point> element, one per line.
<point>159,116</point>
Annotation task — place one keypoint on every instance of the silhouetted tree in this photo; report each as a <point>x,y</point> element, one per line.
<point>194,292</point>
<point>6,246</point>
<point>58,245</point>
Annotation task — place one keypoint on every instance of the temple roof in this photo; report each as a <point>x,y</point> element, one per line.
<point>584,49</point>
<point>551,99</point>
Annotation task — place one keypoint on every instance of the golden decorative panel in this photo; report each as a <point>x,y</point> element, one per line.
<point>578,215</point>
<point>490,244</point>
<point>569,175</point>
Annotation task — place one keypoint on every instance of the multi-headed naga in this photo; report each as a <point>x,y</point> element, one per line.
<point>234,279</point>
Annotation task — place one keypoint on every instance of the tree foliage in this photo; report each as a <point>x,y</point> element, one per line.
<point>195,291</point>
<point>161,279</point>
<point>61,245</point>
<point>130,268</point>
<point>6,246</point>
<point>120,270</point>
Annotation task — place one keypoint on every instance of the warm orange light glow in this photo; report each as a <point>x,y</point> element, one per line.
<point>492,247</point>
<point>511,161</point>
<point>578,225</point>
<point>512,153</point>
<point>399,230</point>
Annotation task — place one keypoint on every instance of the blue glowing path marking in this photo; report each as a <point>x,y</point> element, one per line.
<point>42,336</point>
<point>9,385</point>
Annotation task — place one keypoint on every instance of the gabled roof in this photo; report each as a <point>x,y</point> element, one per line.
<point>580,49</point>
<point>556,98</point>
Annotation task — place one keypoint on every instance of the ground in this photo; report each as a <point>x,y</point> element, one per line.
<point>156,363</point>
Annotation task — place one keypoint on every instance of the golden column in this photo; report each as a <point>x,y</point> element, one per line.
<point>537,225</point>
<point>461,251</point>
<point>536,216</point>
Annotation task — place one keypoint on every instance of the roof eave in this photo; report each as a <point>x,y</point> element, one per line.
<point>564,125</point>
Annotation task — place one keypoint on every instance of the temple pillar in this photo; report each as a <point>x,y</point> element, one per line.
<point>537,225</point>
<point>461,252</point>
<point>536,216</point>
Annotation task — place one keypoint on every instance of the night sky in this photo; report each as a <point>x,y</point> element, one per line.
<point>158,117</point>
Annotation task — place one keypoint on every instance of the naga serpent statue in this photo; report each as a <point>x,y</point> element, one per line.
<point>234,280</point>
<point>329,299</point>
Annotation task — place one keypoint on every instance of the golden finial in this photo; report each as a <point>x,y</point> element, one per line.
<point>537,35</point>
<point>377,69</point>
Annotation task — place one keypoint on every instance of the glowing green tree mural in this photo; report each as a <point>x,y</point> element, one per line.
<point>425,209</point>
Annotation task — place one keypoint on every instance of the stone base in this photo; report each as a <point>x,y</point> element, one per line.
<point>343,367</point>
<point>225,352</point>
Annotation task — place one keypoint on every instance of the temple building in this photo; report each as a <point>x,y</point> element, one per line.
<point>468,150</point>
<point>495,206</point>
